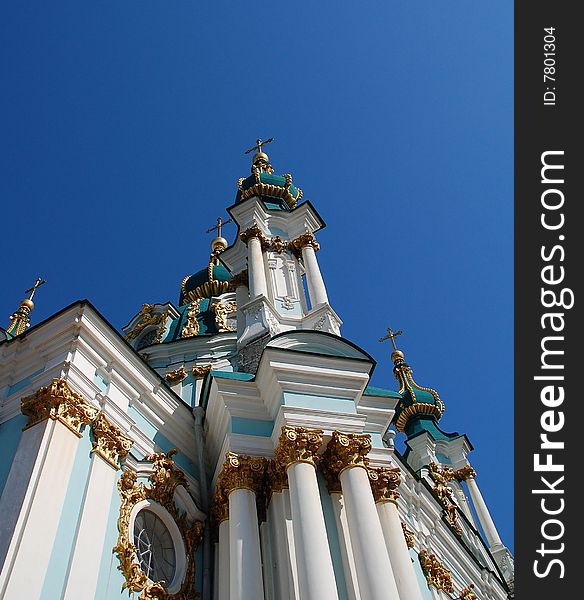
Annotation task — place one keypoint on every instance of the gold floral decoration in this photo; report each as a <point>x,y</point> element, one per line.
<point>436,573</point>
<point>58,402</point>
<point>442,474</point>
<point>408,535</point>
<point>467,593</point>
<point>147,317</point>
<point>161,327</point>
<point>384,483</point>
<point>278,245</point>
<point>176,376</point>
<point>164,480</point>
<point>254,232</point>
<point>466,472</point>
<point>191,327</point>
<point>343,450</point>
<point>109,442</point>
<point>221,311</point>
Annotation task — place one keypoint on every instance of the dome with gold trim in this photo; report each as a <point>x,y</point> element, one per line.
<point>206,283</point>
<point>276,191</point>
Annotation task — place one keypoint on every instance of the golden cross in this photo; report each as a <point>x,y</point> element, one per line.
<point>220,224</point>
<point>33,289</point>
<point>390,336</point>
<point>258,145</point>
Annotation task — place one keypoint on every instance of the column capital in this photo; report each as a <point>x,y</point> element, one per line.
<point>220,506</point>
<point>346,450</point>
<point>276,479</point>
<point>109,442</point>
<point>467,593</point>
<point>384,483</point>
<point>298,444</point>
<point>306,239</point>
<point>466,472</point>
<point>239,279</point>
<point>254,232</point>
<point>58,402</point>
<point>241,471</point>
<point>436,573</point>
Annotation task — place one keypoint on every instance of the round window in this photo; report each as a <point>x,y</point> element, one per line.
<point>154,547</point>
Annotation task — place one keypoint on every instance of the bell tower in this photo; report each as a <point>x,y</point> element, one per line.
<point>279,286</point>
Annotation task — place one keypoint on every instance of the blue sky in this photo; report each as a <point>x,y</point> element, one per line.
<point>123,126</point>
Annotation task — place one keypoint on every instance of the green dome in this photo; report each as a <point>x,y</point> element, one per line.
<point>268,185</point>
<point>208,282</point>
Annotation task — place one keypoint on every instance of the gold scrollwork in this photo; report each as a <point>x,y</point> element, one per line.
<point>176,376</point>
<point>164,481</point>
<point>254,232</point>
<point>241,471</point>
<point>278,245</point>
<point>384,483</point>
<point>109,442</point>
<point>408,535</point>
<point>467,593</point>
<point>58,402</point>
<point>442,475</point>
<point>436,573</point>
<point>221,311</point>
<point>191,327</point>
<point>466,472</point>
<point>199,371</point>
<point>344,450</point>
<point>147,317</point>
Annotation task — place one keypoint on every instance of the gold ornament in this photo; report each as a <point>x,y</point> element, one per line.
<point>276,478</point>
<point>298,444</point>
<point>176,376</point>
<point>199,371</point>
<point>109,442</point>
<point>466,472</point>
<point>191,327</point>
<point>164,481</point>
<point>241,471</point>
<point>435,572</point>
<point>146,318</point>
<point>278,245</point>
<point>344,450</point>
<point>306,239</point>
<point>58,402</point>
<point>221,311</point>
<point>467,593</point>
<point>254,232</point>
<point>384,483</point>
<point>442,475</point>
<point>408,535</point>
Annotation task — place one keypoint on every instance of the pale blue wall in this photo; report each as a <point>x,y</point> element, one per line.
<point>59,561</point>
<point>10,433</point>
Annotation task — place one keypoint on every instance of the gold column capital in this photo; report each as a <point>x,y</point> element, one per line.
<point>241,471</point>
<point>298,444</point>
<point>109,442</point>
<point>220,506</point>
<point>254,232</point>
<point>176,376</point>
<point>276,478</point>
<point>384,483</point>
<point>199,371</point>
<point>239,279</point>
<point>58,402</point>
<point>435,572</point>
<point>467,593</point>
<point>304,240</point>
<point>466,472</point>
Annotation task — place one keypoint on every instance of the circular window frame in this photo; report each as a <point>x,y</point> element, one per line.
<point>167,519</point>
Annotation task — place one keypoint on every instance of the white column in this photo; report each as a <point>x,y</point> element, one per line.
<point>31,506</point>
<point>483,514</point>
<point>266,548</point>
<point>374,570</point>
<point>86,557</point>
<point>216,570</point>
<point>397,548</point>
<point>283,582</point>
<point>345,544</point>
<point>241,298</point>
<point>245,561</point>
<point>255,268</point>
<point>314,280</point>
<point>223,561</point>
<point>316,576</point>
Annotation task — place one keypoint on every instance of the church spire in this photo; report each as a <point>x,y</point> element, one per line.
<point>20,319</point>
<point>418,402</point>
<point>260,159</point>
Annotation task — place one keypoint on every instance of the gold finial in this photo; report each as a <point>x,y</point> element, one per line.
<point>391,335</point>
<point>20,319</point>
<point>219,243</point>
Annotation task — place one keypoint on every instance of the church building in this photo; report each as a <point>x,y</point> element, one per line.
<point>230,446</point>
